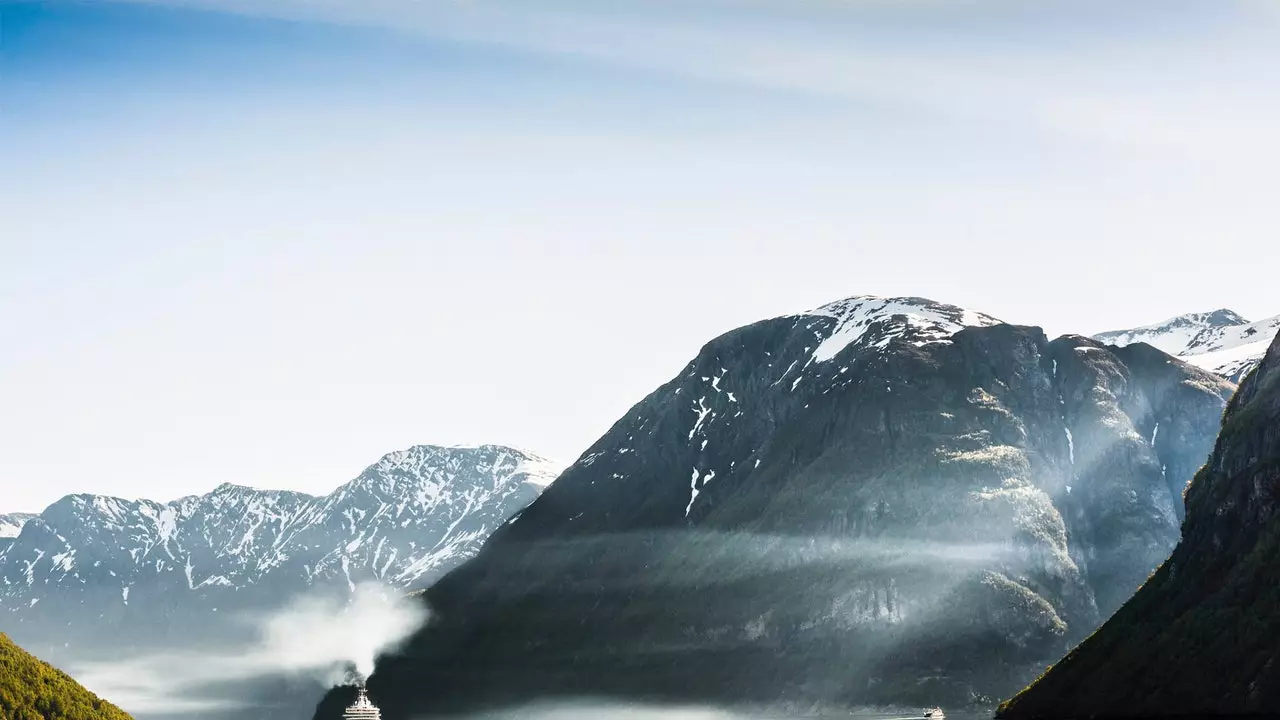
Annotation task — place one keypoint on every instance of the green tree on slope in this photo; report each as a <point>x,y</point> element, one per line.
<point>34,690</point>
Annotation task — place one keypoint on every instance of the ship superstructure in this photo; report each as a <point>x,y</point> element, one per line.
<point>362,708</point>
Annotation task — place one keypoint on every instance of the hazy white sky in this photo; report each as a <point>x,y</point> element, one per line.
<point>266,242</point>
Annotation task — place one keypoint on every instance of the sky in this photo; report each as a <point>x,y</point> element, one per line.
<point>268,241</point>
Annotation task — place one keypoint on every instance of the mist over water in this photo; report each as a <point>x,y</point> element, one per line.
<point>600,709</point>
<point>691,556</point>
<point>589,710</point>
<point>316,639</point>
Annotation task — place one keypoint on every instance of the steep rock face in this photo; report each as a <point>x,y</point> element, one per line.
<point>1200,636</point>
<point>1221,341</point>
<point>94,570</point>
<point>881,500</point>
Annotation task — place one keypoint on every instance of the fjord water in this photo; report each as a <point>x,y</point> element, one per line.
<point>613,710</point>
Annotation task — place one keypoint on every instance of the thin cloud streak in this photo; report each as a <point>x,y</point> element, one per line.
<point>1128,87</point>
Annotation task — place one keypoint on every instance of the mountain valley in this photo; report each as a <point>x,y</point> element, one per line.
<point>881,500</point>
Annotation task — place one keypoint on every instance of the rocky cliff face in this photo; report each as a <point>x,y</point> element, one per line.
<point>1200,636</point>
<point>97,571</point>
<point>881,500</point>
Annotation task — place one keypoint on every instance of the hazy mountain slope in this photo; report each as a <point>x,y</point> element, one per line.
<point>1220,341</point>
<point>34,690</point>
<point>854,504</point>
<point>1200,636</point>
<point>96,570</point>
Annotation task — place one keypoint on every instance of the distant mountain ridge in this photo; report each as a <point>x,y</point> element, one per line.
<point>100,569</point>
<point>880,501</point>
<point>11,527</point>
<point>11,524</point>
<point>1221,341</point>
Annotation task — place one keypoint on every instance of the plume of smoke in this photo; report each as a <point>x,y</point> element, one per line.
<point>328,635</point>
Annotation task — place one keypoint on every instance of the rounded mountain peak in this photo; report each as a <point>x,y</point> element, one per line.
<point>1224,317</point>
<point>914,319</point>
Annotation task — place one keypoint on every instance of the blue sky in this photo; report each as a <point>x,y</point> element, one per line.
<point>266,242</point>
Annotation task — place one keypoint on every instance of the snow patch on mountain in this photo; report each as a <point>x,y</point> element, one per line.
<point>537,471</point>
<point>1221,341</point>
<point>916,320</point>
<point>1175,335</point>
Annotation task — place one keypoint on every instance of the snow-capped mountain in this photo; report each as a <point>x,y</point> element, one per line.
<point>915,320</point>
<point>99,566</point>
<point>880,501</point>
<point>1220,341</point>
<point>11,525</point>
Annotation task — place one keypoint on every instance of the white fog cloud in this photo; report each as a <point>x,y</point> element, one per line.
<point>312,637</point>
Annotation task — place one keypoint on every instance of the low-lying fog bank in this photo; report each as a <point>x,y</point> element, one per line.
<point>602,709</point>
<point>302,650</point>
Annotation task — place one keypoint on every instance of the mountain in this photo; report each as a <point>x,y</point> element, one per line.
<point>879,501</point>
<point>93,570</point>
<point>11,526</point>
<point>34,690</point>
<point>1220,341</point>
<point>1199,638</point>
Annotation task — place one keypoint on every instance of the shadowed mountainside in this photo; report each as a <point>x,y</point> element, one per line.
<point>1200,636</point>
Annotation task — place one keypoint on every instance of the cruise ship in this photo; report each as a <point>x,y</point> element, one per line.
<point>362,708</point>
